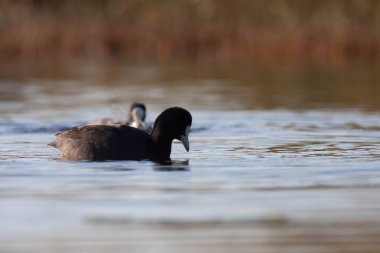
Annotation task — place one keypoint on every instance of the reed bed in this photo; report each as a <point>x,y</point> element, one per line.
<point>217,31</point>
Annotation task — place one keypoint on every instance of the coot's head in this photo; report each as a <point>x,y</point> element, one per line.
<point>137,114</point>
<point>173,123</point>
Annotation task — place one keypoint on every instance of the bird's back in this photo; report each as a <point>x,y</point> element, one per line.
<point>103,142</point>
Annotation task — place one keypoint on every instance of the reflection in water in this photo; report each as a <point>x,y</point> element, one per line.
<point>237,88</point>
<point>279,180</point>
<point>357,126</point>
<point>174,165</point>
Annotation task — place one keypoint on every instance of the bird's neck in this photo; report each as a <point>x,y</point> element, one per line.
<point>162,146</point>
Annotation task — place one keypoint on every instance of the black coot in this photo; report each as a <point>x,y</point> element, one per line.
<point>103,142</point>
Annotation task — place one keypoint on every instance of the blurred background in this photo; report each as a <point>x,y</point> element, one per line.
<point>285,141</point>
<point>292,54</point>
<point>259,32</point>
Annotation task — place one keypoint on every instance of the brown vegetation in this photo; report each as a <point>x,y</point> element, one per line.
<point>221,31</point>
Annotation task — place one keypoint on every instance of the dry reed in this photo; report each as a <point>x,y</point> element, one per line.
<point>220,31</point>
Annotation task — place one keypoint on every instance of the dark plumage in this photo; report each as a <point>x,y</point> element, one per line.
<point>102,142</point>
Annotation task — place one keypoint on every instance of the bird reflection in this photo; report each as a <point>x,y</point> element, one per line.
<point>174,165</point>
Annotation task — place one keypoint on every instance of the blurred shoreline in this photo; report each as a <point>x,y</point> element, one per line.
<point>263,32</point>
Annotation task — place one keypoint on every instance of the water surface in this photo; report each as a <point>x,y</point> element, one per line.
<point>266,176</point>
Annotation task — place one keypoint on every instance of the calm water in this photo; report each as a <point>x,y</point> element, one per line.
<point>275,164</point>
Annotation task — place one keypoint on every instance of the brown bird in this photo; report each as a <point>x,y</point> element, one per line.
<point>136,118</point>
